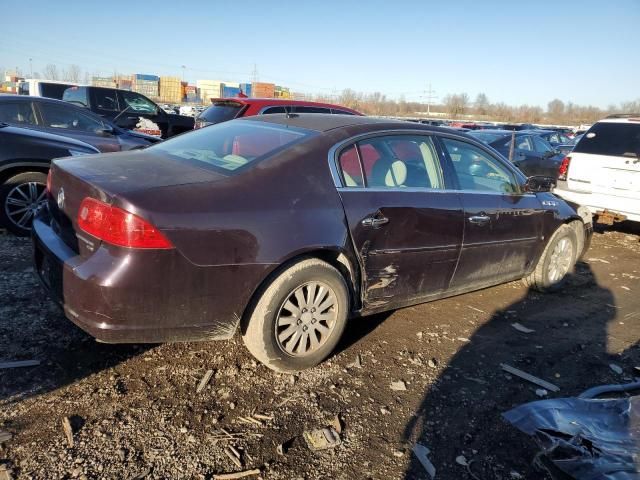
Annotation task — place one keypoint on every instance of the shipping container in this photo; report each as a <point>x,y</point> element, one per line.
<point>142,76</point>
<point>263,90</point>
<point>246,89</point>
<point>230,91</point>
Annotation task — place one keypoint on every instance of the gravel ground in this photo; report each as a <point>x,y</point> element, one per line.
<point>135,412</point>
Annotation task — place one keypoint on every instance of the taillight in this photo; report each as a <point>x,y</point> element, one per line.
<point>49,182</point>
<point>118,227</point>
<point>564,168</point>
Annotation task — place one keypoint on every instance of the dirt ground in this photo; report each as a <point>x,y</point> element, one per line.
<point>135,412</point>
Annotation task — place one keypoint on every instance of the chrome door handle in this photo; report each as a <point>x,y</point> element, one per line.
<point>479,219</point>
<point>375,221</point>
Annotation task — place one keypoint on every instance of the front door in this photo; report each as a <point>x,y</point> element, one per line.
<point>141,114</point>
<point>503,225</point>
<point>406,228</point>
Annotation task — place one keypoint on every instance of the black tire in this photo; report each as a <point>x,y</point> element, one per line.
<point>541,278</point>
<point>8,216</point>
<point>261,337</point>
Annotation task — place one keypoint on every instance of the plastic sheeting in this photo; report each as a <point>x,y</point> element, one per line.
<point>587,439</point>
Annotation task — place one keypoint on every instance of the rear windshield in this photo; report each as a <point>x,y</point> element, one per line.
<point>229,146</point>
<point>221,112</point>
<point>615,139</point>
<point>486,137</point>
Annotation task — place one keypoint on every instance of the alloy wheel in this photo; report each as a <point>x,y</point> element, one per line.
<point>306,319</point>
<point>560,261</point>
<point>23,202</point>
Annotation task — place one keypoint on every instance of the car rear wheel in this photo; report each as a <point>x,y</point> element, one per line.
<point>299,318</point>
<point>21,196</point>
<point>557,260</point>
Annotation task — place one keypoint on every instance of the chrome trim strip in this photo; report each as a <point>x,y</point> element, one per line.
<point>442,248</point>
<point>427,190</point>
<point>497,242</point>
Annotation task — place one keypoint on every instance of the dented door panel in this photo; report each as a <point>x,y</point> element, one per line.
<point>413,254</point>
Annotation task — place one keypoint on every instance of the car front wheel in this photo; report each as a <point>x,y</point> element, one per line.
<point>21,196</point>
<point>557,260</point>
<point>299,318</point>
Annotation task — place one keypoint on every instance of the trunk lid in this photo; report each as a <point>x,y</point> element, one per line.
<point>108,178</point>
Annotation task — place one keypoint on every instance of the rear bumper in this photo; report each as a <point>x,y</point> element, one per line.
<point>597,202</point>
<point>131,296</point>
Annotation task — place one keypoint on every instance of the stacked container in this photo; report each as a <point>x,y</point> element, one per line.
<point>191,94</point>
<point>209,89</point>
<point>263,90</point>
<point>108,82</point>
<point>281,92</point>
<point>246,89</point>
<point>147,85</point>
<point>170,90</point>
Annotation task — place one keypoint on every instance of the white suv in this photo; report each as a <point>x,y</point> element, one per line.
<point>602,172</point>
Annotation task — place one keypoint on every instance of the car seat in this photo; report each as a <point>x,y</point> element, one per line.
<point>389,172</point>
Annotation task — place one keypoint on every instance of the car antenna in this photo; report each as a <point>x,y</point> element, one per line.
<point>290,114</point>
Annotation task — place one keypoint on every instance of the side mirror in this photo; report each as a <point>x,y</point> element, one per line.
<point>105,131</point>
<point>539,183</point>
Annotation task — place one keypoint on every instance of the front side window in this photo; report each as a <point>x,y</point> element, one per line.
<point>228,146</point>
<point>394,161</point>
<point>68,118</point>
<point>477,170</point>
<point>524,143</point>
<point>335,111</point>
<point>76,95</point>
<point>17,113</point>
<point>274,110</point>
<point>136,103</point>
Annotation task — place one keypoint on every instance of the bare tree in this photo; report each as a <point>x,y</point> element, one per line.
<point>556,109</point>
<point>456,104</point>
<point>72,74</point>
<point>50,72</point>
<point>482,104</point>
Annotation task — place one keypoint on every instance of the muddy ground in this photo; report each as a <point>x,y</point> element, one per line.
<point>135,412</point>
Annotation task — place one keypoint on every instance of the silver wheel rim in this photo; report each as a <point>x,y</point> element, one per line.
<point>23,202</point>
<point>306,319</point>
<point>560,261</point>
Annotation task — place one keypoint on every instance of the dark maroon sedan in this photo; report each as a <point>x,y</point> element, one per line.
<point>286,226</point>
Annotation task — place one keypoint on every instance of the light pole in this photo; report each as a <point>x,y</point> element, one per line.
<point>31,67</point>
<point>184,67</point>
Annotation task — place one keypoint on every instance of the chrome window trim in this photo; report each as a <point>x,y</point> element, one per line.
<point>337,177</point>
<point>262,110</point>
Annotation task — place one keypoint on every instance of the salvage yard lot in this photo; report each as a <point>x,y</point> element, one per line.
<point>135,412</point>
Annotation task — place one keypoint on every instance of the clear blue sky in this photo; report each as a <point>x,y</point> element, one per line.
<point>587,52</point>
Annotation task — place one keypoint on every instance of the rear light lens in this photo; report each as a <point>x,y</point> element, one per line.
<point>119,227</point>
<point>564,168</point>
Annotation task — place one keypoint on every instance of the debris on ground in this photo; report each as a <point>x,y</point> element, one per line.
<point>541,392</point>
<point>5,473</point>
<point>526,376</point>
<point>322,438</point>
<point>68,431</point>
<point>233,476</point>
<point>233,453</point>
<point>422,452</point>
<point>522,328</point>
<point>19,364</point>
<point>584,437</point>
<point>398,386</point>
<point>357,363</point>
<point>616,368</point>
<point>204,381</point>
<point>5,436</point>
<point>461,460</point>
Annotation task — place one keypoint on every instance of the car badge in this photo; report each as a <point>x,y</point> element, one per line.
<point>60,198</point>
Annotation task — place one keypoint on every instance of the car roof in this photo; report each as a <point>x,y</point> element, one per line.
<point>498,131</point>
<point>622,118</point>
<point>323,122</point>
<point>30,132</point>
<point>266,102</point>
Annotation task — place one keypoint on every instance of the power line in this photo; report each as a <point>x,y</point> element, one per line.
<point>429,97</point>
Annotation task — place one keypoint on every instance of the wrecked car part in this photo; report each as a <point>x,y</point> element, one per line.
<point>422,453</point>
<point>322,438</point>
<point>585,438</point>
<point>526,376</point>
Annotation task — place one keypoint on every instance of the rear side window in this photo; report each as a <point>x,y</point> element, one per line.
<point>305,109</point>
<point>17,113</point>
<point>269,110</point>
<point>615,139</point>
<point>221,112</point>
<point>53,90</point>
<point>394,161</point>
<point>228,146</point>
<point>335,111</point>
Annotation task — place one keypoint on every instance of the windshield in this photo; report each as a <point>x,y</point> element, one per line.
<point>231,145</point>
<point>608,138</point>
<point>485,136</point>
<point>221,112</point>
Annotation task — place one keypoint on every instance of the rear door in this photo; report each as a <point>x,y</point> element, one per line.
<point>18,112</point>
<point>606,163</point>
<point>502,225</point>
<point>405,225</point>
